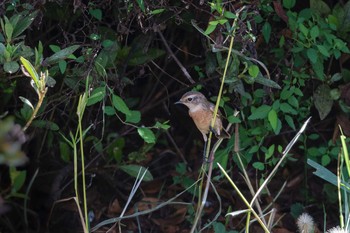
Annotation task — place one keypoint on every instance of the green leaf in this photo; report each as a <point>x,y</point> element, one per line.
<point>259,166</point>
<point>133,170</point>
<point>30,69</point>
<point>314,32</point>
<point>233,119</point>
<point>289,121</point>
<point>96,13</point>
<point>303,29</point>
<point>141,5</point>
<point>312,55</point>
<point>270,152</point>
<point>96,96</point>
<point>320,7</point>
<point>266,31</point>
<point>209,29</point>
<point>44,124</point>
<point>65,151</point>
<point>8,30</point>
<point>27,102</point>
<point>160,125</point>
<point>293,101</point>
<point>323,101</point>
<point>253,70</point>
<point>134,117</point>
<point>11,67</point>
<point>142,58</point>
<point>24,23</point>
<point>325,160</point>
<point>273,119</point>
<point>324,173</point>
<point>50,82</point>
<point>17,179</point>
<point>288,3</point>
<point>62,54</point>
<point>318,68</point>
<point>260,112</point>
<point>229,15</point>
<point>286,93</point>
<point>62,64</point>
<point>286,108</point>
<point>336,77</point>
<point>157,11</point>
<point>120,105</point>
<point>147,134</point>
<point>55,48</point>
<point>323,50</point>
<point>109,110</point>
<point>266,82</point>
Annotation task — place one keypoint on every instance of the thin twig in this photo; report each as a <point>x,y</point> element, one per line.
<point>184,71</point>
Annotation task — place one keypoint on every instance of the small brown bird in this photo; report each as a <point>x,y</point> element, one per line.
<point>201,111</point>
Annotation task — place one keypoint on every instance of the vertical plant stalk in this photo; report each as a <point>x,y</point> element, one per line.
<point>209,154</point>
<point>80,112</point>
<point>41,95</point>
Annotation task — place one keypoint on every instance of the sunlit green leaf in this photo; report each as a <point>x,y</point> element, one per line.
<point>30,69</point>
<point>253,70</point>
<point>147,134</point>
<point>157,11</point>
<point>209,29</point>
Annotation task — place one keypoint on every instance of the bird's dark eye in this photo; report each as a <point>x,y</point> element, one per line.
<point>189,99</point>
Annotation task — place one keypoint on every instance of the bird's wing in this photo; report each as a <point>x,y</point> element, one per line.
<point>212,108</point>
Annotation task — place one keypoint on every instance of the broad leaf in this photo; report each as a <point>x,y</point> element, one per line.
<point>323,100</point>
<point>96,96</point>
<point>134,170</point>
<point>120,105</point>
<point>30,69</point>
<point>134,117</point>
<point>147,134</point>
<point>260,112</point>
<point>62,54</point>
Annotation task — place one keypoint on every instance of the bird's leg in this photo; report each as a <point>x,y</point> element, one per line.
<point>213,131</point>
<point>205,151</point>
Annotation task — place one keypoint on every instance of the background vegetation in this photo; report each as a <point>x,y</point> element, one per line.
<point>87,91</point>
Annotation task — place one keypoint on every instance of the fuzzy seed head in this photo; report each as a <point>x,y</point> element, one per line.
<point>305,223</point>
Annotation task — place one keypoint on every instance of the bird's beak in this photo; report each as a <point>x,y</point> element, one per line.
<point>178,102</point>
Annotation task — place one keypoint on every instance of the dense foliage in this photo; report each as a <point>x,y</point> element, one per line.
<point>87,93</point>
